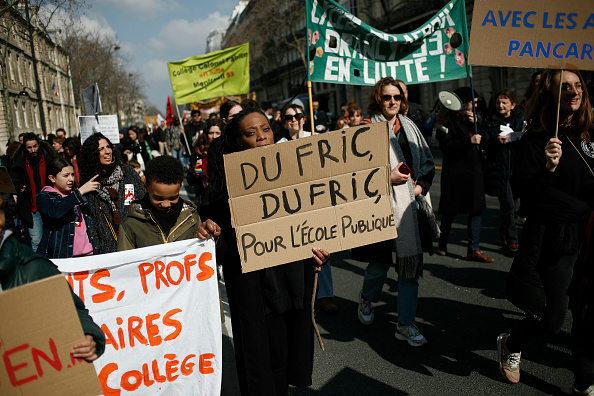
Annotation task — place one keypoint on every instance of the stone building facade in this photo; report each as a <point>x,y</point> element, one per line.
<point>24,107</point>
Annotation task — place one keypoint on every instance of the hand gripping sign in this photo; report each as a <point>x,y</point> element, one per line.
<point>159,309</point>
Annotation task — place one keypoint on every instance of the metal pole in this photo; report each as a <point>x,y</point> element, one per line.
<point>37,86</point>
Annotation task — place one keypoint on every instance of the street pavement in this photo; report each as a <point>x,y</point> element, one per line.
<point>461,310</point>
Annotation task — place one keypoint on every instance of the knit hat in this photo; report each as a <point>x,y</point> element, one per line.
<point>465,94</point>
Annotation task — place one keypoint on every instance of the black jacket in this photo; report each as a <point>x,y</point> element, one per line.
<point>462,189</point>
<point>20,265</point>
<point>20,178</point>
<point>501,161</point>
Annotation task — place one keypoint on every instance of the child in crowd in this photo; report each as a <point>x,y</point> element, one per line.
<point>19,265</point>
<point>161,216</point>
<point>355,116</point>
<point>65,213</point>
<point>196,176</point>
<point>136,165</point>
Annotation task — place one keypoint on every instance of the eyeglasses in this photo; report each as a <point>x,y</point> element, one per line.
<point>298,116</point>
<point>568,87</point>
<point>386,98</point>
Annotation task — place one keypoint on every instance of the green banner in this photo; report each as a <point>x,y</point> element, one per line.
<point>220,73</point>
<point>347,51</point>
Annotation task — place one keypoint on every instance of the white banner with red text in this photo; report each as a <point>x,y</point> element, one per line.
<point>160,312</point>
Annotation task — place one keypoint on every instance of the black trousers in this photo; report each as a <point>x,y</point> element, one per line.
<point>271,351</point>
<point>553,251</point>
<point>582,345</point>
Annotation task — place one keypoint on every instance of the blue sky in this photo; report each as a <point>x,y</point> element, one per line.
<point>154,32</point>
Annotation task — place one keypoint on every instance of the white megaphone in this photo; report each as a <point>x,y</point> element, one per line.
<point>446,101</point>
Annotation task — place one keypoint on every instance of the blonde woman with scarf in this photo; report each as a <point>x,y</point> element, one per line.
<point>412,174</point>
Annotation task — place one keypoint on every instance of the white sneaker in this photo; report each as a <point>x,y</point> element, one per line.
<point>365,311</point>
<point>587,392</point>
<point>410,334</point>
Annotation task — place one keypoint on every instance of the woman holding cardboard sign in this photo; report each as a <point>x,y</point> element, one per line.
<point>412,174</point>
<point>557,186</point>
<point>294,120</point>
<point>270,308</point>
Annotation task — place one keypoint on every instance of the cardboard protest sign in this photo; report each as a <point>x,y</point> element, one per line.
<point>92,100</point>
<point>38,329</point>
<point>221,73</point>
<point>6,184</point>
<point>533,33</point>
<point>330,191</point>
<point>348,51</point>
<point>159,309</point>
<point>107,125</point>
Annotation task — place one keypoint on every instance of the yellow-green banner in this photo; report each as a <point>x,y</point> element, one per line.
<point>220,73</point>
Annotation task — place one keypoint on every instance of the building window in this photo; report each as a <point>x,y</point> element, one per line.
<point>24,108</point>
<point>16,115</point>
<point>36,116</point>
<point>31,82</point>
<point>18,65</point>
<point>9,64</point>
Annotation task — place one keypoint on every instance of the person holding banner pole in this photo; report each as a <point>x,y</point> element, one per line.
<point>412,174</point>
<point>556,182</point>
<point>270,308</point>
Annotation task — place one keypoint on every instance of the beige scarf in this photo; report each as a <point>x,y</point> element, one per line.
<point>407,246</point>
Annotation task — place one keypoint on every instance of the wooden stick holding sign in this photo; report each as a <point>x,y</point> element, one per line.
<point>559,103</point>
<point>313,128</point>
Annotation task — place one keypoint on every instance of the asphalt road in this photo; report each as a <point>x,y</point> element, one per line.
<point>461,310</point>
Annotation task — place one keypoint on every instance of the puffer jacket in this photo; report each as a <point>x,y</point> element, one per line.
<point>141,229</point>
<point>20,265</point>
<point>58,217</point>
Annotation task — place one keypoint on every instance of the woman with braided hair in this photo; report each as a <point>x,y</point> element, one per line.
<point>270,308</point>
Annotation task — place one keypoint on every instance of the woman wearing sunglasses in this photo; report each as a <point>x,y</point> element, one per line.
<point>412,174</point>
<point>293,120</point>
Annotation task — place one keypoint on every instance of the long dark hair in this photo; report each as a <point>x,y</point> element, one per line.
<point>213,122</point>
<point>55,165</point>
<point>73,144</point>
<point>89,163</point>
<point>541,113</point>
<point>226,107</point>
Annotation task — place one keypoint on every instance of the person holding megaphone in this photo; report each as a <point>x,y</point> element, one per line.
<point>462,189</point>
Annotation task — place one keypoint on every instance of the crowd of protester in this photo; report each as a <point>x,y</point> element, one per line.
<point>75,200</point>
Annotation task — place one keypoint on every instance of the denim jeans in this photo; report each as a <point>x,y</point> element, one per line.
<point>408,291</point>
<point>473,229</point>
<point>325,282</point>
<point>179,154</point>
<point>36,232</point>
<point>507,212</point>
